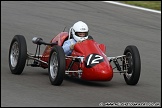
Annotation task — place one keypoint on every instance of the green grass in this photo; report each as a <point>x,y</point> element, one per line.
<point>156,5</point>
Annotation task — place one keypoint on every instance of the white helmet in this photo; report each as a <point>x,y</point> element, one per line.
<point>79,27</point>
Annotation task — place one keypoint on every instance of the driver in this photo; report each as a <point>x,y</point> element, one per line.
<point>78,32</point>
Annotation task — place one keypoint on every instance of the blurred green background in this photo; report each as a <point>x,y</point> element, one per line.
<point>156,5</point>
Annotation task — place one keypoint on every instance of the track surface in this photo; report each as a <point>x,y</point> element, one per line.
<point>113,25</point>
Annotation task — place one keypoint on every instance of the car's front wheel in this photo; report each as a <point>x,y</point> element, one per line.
<point>132,64</point>
<point>56,65</point>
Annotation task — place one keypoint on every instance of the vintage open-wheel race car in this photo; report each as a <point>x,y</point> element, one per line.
<point>88,60</point>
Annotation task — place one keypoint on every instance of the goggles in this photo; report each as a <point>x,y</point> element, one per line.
<point>81,34</point>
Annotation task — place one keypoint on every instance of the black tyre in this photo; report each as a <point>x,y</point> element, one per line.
<point>56,65</point>
<point>133,64</point>
<point>17,54</point>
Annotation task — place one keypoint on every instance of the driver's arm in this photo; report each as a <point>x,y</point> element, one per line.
<point>66,47</point>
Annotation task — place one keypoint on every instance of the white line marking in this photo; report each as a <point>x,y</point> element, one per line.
<point>131,6</point>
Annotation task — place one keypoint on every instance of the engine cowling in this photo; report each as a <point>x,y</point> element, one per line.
<point>96,65</point>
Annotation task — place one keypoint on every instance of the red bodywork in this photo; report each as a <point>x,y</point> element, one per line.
<point>95,65</point>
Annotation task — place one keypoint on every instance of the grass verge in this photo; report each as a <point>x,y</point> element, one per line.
<point>156,5</point>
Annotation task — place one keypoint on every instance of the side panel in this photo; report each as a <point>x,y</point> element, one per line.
<point>60,38</point>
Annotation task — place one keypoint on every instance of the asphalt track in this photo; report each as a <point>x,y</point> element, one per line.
<point>116,26</point>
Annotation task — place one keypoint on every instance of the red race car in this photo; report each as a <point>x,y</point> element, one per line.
<point>87,61</point>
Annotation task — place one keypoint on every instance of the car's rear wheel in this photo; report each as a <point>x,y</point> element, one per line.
<point>56,65</point>
<point>132,64</point>
<point>17,54</point>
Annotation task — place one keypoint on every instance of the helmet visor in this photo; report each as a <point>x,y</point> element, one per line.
<point>81,34</point>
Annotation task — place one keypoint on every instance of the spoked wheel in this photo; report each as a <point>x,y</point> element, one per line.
<point>56,65</point>
<point>132,64</point>
<point>17,54</point>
